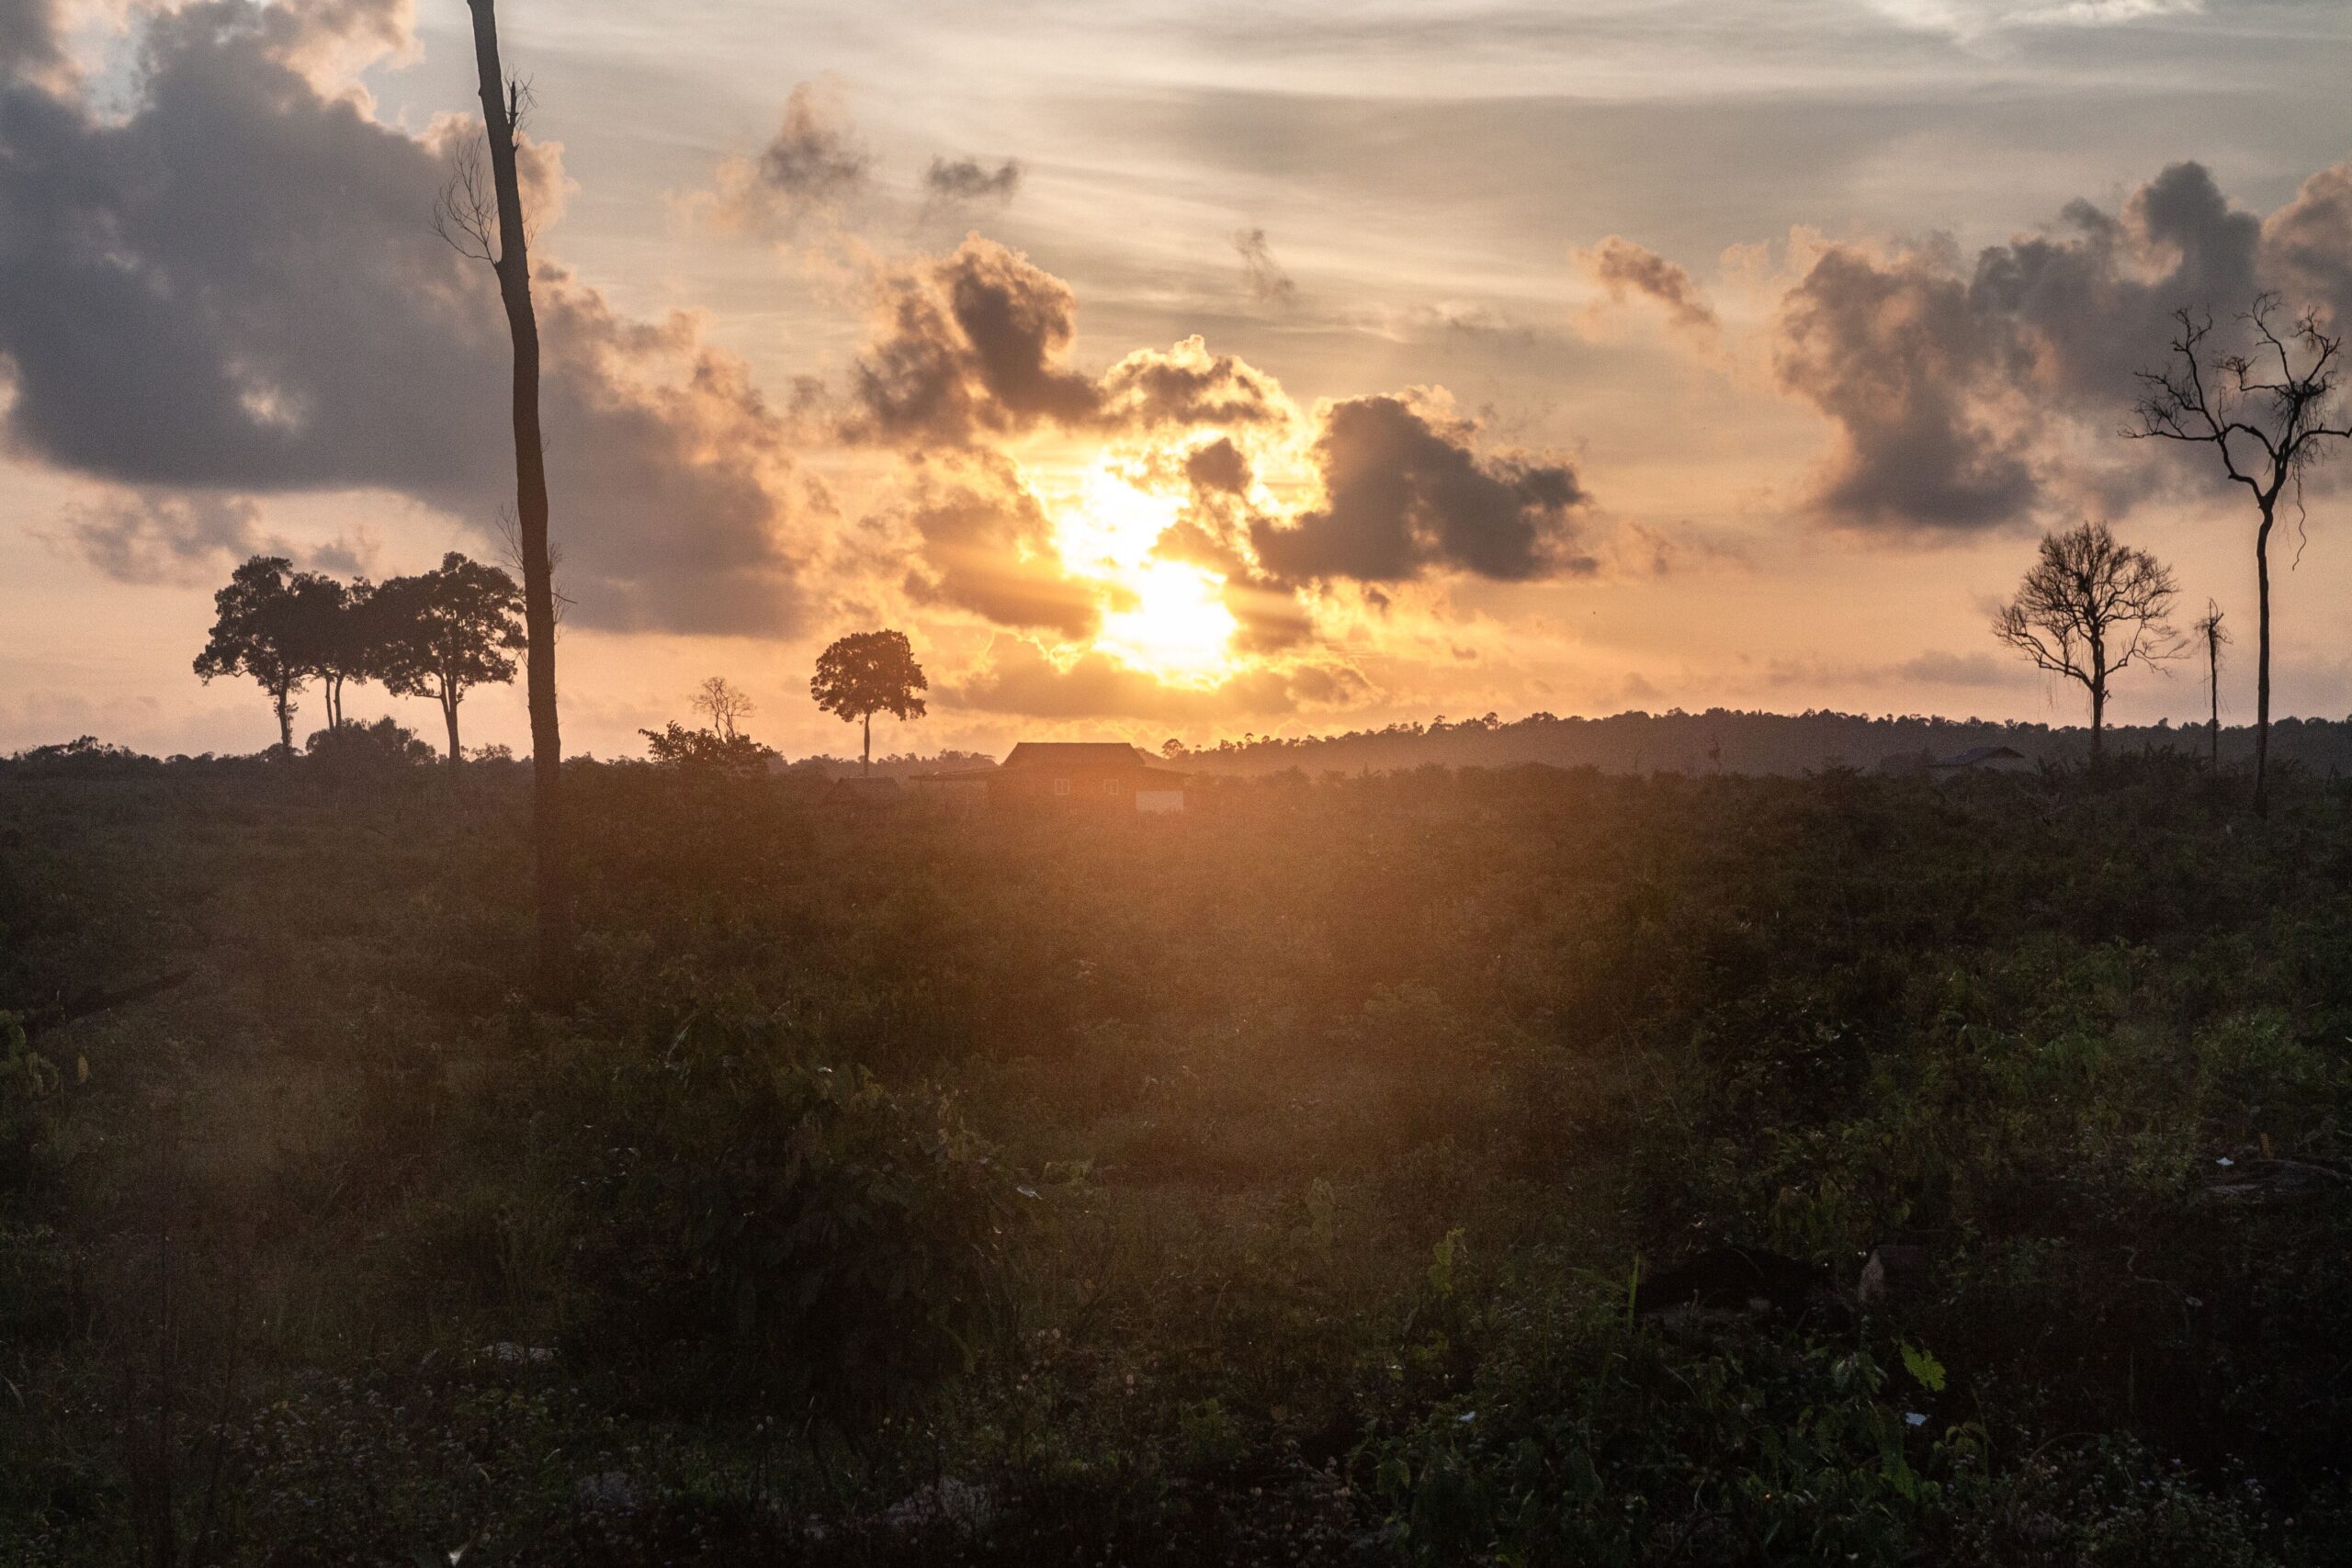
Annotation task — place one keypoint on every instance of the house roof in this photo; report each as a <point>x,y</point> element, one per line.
<point>1076,754</point>
<point>1976,754</point>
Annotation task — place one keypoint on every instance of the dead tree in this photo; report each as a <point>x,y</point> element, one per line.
<point>2268,420</point>
<point>726,706</point>
<point>2210,631</point>
<point>2090,607</point>
<point>489,225</point>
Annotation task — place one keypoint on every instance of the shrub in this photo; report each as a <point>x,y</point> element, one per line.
<point>777,1222</point>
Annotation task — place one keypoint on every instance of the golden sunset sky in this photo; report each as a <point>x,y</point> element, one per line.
<point>1161,369</point>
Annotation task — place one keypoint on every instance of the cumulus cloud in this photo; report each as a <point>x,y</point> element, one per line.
<point>340,345</point>
<point>969,343</point>
<point>1949,386</point>
<point>1020,678</point>
<point>968,179</point>
<point>814,158</point>
<point>1187,385</point>
<point>987,547</point>
<point>1892,353</point>
<point>1267,282</point>
<point>1406,492</point>
<point>1624,268</point>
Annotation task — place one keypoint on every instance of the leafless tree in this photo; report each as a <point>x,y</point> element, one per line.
<point>724,703</point>
<point>2210,631</point>
<point>2090,607</point>
<point>2269,414</point>
<point>483,217</point>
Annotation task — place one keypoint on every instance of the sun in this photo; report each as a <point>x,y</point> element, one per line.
<point>1167,618</point>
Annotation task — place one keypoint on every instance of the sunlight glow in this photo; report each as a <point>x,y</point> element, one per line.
<point>1164,617</point>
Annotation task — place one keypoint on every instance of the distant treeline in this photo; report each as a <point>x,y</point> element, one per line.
<point>1718,740</point>
<point>1727,741</point>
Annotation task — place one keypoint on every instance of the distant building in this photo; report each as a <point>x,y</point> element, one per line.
<point>1064,776</point>
<point>1975,760</point>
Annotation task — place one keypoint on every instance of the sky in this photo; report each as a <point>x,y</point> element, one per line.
<point>1161,369</point>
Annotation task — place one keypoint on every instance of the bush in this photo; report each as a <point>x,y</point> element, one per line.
<point>761,1220</point>
<point>387,743</point>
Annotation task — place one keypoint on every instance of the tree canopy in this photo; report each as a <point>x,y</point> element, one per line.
<point>866,673</point>
<point>259,631</point>
<point>444,632</point>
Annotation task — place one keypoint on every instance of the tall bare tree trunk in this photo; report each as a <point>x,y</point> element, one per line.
<point>450,716</point>
<point>500,101</point>
<point>865,764</point>
<point>2262,669</point>
<point>2214,687</point>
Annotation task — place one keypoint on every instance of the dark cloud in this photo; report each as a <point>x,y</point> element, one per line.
<point>1218,467</point>
<point>1894,355</point>
<point>1020,678</point>
<point>986,546</point>
<point>1267,282</point>
<point>970,343</point>
<point>29,42</point>
<point>1622,267</point>
<point>231,287</point>
<point>968,179</point>
<point>1946,384</point>
<point>814,159</point>
<point>167,537</point>
<point>1406,492</point>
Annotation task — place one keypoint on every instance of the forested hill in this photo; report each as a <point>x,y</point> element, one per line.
<point>1723,739</point>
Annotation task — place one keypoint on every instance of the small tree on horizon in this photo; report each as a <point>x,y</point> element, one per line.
<point>444,632</point>
<point>2210,631</point>
<point>866,673</point>
<point>2090,607</point>
<point>258,632</point>
<point>725,704</point>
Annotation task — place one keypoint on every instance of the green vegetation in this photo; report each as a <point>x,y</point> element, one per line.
<point>1274,1184</point>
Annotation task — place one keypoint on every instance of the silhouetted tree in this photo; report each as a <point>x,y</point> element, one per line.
<point>2268,420</point>
<point>1172,748</point>
<point>489,225</point>
<point>333,635</point>
<point>385,743</point>
<point>445,632</point>
<point>2209,632</point>
<point>258,632</point>
<point>866,673</point>
<point>674,744</point>
<point>2090,608</point>
<point>724,703</point>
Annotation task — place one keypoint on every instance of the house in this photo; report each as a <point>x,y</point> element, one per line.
<point>1982,760</point>
<point>1065,776</point>
<point>1975,760</point>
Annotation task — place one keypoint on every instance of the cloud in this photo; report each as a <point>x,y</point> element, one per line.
<point>1218,467</point>
<point>1187,385</point>
<point>1893,353</point>
<point>1019,678</point>
<point>1971,19</point>
<point>1406,492</point>
<point>1267,282</point>
<point>29,39</point>
<point>1951,388</point>
<point>1941,668</point>
<point>1622,267</point>
<point>166,537</point>
<point>814,158</point>
<point>339,345</point>
<point>968,179</point>
<point>968,343</point>
<point>987,547</point>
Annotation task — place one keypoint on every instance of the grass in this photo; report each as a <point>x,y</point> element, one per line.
<point>1269,1185</point>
